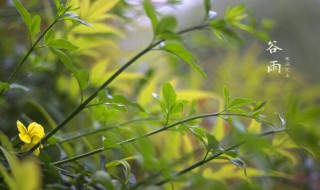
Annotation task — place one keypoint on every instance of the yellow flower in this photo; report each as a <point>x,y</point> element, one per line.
<point>30,136</point>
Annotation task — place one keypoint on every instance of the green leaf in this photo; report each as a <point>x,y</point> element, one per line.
<point>124,100</point>
<point>207,7</point>
<point>62,44</point>
<point>238,102</point>
<point>212,142</point>
<point>119,99</point>
<point>166,24</point>
<point>239,162</point>
<point>258,108</point>
<point>179,51</point>
<point>151,13</point>
<point>119,107</point>
<point>108,144</point>
<point>126,166</point>
<point>81,76</point>
<point>12,160</point>
<point>75,18</point>
<point>169,36</point>
<point>231,153</point>
<point>177,107</point>
<point>4,86</point>
<point>282,121</point>
<point>49,36</point>
<point>35,25</point>
<point>24,14</point>
<point>226,95</point>
<point>227,35</point>
<point>218,23</point>
<point>235,13</point>
<point>169,96</point>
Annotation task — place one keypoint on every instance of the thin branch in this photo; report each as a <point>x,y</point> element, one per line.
<point>202,162</point>
<point>103,86</point>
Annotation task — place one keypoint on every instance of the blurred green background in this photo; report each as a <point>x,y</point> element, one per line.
<point>242,68</point>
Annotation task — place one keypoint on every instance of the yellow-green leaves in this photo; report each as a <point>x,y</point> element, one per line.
<point>169,103</point>
<point>24,174</point>
<point>179,51</point>
<point>30,136</point>
<point>164,25</point>
<point>25,15</point>
<point>62,44</point>
<point>33,24</point>
<point>80,75</point>
<point>151,13</point>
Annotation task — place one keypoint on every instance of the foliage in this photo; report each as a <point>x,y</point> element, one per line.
<point>109,126</point>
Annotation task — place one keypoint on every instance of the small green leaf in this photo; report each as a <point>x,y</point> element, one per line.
<point>75,18</point>
<point>169,36</point>
<point>82,78</point>
<point>177,107</point>
<point>124,100</point>
<point>118,107</point>
<point>166,24</point>
<point>80,75</point>
<point>179,51</point>
<point>24,14</point>
<point>235,13</point>
<point>49,36</point>
<point>282,121</point>
<point>218,23</point>
<point>62,44</point>
<point>239,162</point>
<point>231,153</point>
<point>4,86</point>
<point>108,144</point>
<point>126,166</point>
<point>238,102</point>
<point>169,96</point>
<point>35,25</point>
<point>258,108</point>
<point>151,13</point>
<point>226,95</point>
<point>212,142</point>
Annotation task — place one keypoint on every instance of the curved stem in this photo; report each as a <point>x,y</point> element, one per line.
<point>104,85</point>
<point>135,138</point>
<point>103,129</point>
<point>147,135</point>
<point>91,97</point>
<point>202,162</point>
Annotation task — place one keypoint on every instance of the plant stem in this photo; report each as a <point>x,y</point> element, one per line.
<point>114,126</point>
<point>147,135</point>
<point>18,67</point>
<point>135,138</point>
<point>202,162</point>
<point>91,97</point>
<point>104,85</point>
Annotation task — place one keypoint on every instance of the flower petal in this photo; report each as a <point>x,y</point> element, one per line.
<point>36,129</point>
<point>25,138</point>
<point>36,151</point>
<point>35,140</point>
<point>21,128</point>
